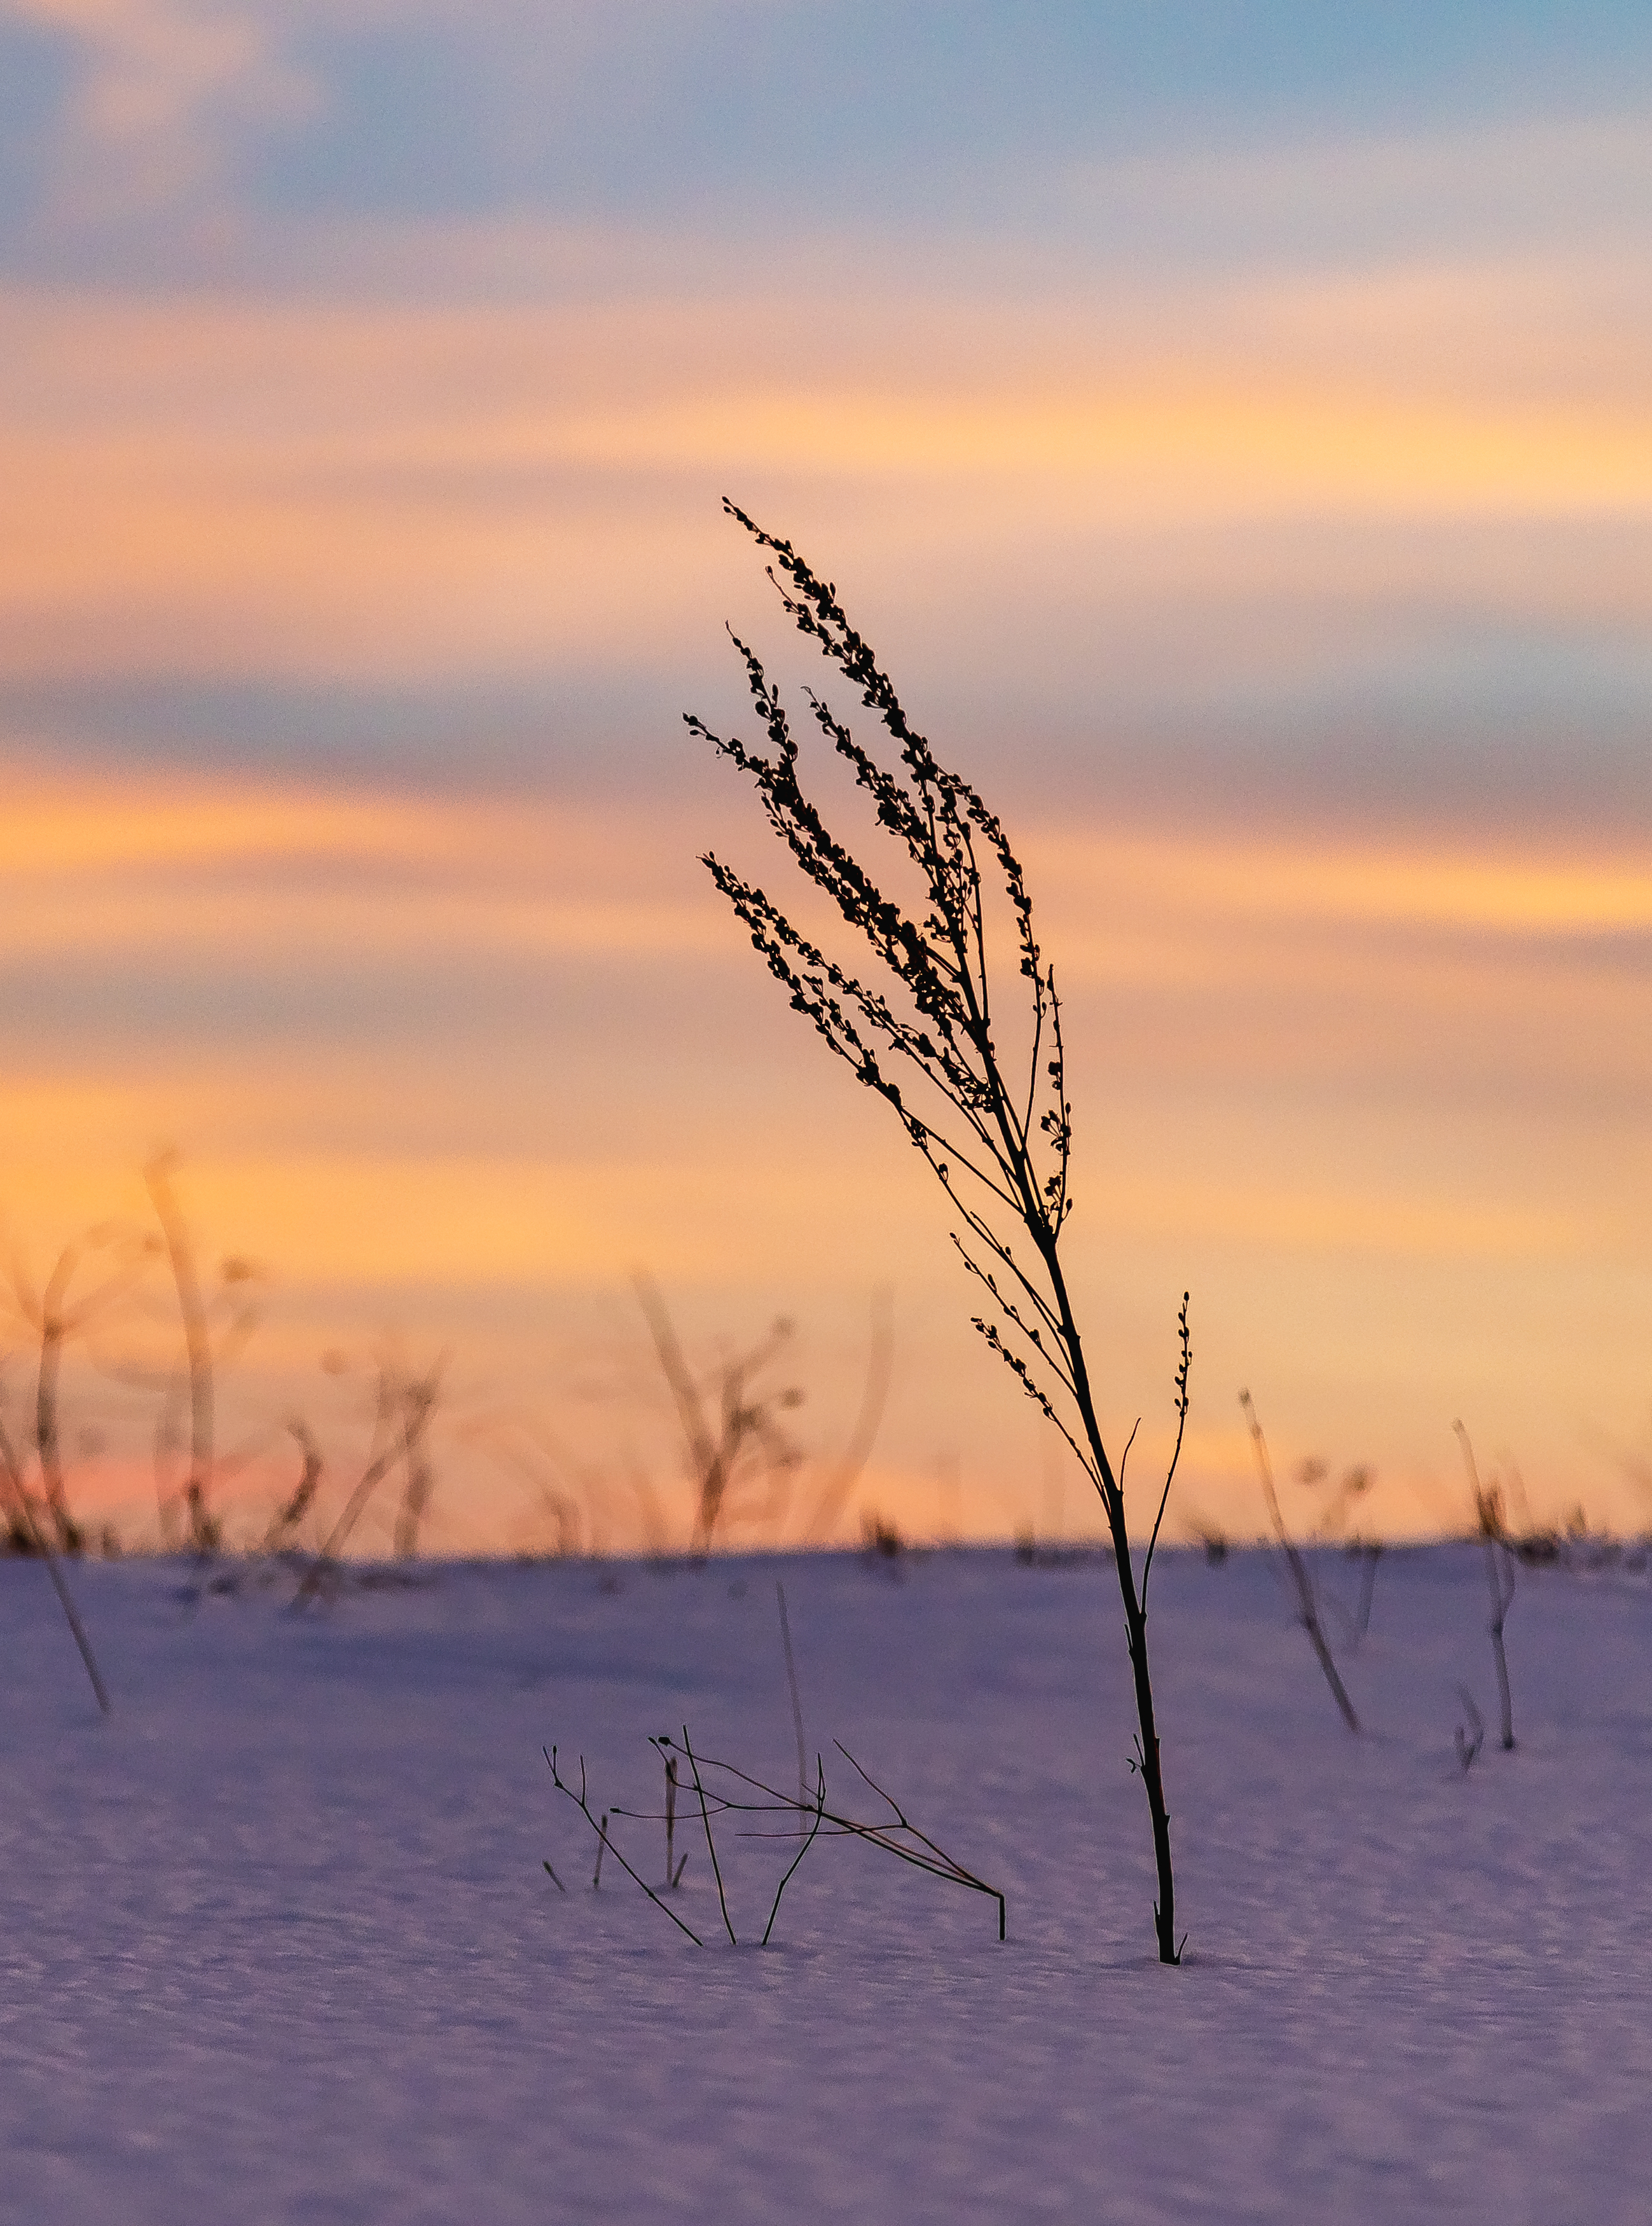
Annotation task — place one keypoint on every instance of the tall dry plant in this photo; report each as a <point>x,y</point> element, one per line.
<point>419,1398</point>
<point>283,1524</point>
<point>216,1325</point>
<point>995,1125</point>
<point>56,1314</point>
<point>404,1407</point>
<point>30,1535</point>
<point>738,1438</point>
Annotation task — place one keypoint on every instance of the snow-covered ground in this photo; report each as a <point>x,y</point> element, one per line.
<point>278,1943</point>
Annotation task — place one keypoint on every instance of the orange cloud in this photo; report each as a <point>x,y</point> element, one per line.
<point>1377,885</point>
<point>402,491</point>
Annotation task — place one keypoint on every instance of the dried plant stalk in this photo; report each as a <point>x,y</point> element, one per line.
<point>807,1817</point>
<point>26,1524</point>
<point>1307,1606</point>
<point>1499,1578</point>
<point>995,1128</point>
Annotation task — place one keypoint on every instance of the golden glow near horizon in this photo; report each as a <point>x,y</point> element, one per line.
<point>1207,973</point>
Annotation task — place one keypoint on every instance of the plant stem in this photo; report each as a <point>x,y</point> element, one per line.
<point>791,1680</point>
<point>43,1545</point>
<point>1371,1555</point>
<point>1307,1606</point>
<point>583,1805</point>
<point>820,1810</point>
<point>197,1348</point>
<point>671,1819</point>
<point>1502,1596</point>
<point>1135,1620</point>
<point>711,1845</point>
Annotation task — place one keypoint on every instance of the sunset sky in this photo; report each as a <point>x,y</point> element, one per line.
<point>1233,428</point>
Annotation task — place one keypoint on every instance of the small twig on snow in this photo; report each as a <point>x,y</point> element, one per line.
<point>791,1681</point>
<point>1467,1746</point>
<point>583,1805</point>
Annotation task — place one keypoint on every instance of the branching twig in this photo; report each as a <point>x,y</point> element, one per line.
<point>926,1856</point>
<point>820,1810</point>
<point>1181,1427</point>
<point>745,1417</point>
<point>583,1805</point>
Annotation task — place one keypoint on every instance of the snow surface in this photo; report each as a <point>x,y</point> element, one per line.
<point>278,1943</point>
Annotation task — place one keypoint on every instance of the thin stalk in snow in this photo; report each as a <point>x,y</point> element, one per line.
<point>1307,1606</point>
<point>1499,1577</point>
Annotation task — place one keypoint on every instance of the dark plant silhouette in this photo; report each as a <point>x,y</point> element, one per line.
<point>322,1568</point>
<point>581,1801</point>
<point>284,1522</point>
<point>804,1815</point>
<point>674,1869</point>
<point>926,1034</point>
<point>791,1688</point>
<point>1307,1606</point>
<point>1469,1742</point>
<point>55,1317</point>
<point>418,1398</point>
<point>1499,1576</point>
<point>236,1316</point>
<point>404,1408</point>
<point>1369,1553</point>
<point>33,1538</point>
<point>880,1538</point>
<point>744,1440</point>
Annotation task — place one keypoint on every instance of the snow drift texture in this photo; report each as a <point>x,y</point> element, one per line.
<point>278,1943</point>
